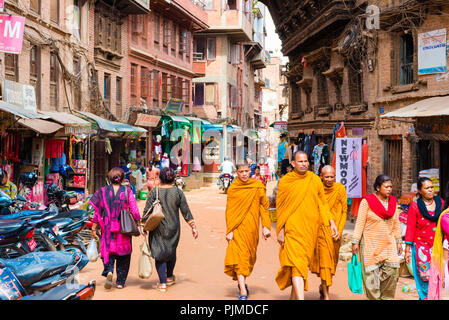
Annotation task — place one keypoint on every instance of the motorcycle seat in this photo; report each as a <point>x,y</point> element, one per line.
<point>61,222</point>
<point>36,266</point>
<point>26,214</point>
<point>74,214</point>
<point>11,226</point>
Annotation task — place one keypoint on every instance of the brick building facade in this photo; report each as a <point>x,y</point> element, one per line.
<point>341,72</point>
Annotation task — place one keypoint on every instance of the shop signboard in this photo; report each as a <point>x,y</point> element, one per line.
<point>147,120</point>
<point>174,105</point>
<point>280,125</point>
<point>20,94</point>
<point>349,165</point>
<point>432,52</point>
<point>11,33</point>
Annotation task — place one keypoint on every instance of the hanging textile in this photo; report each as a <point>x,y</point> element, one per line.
<point>340,133</point>
<point>356,201</point>
<point>54,148</point>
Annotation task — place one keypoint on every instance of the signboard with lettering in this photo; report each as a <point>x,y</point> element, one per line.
<point>349,165</point>
<point>147,120</point>
<point>11,33</point>
<point>432,56</point>
<point>174,105</point>
<point>19,94</point>
<point>280,125</point>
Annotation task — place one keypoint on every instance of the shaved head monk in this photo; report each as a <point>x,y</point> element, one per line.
<point>246,205</point>
<point>301,209</point>
<point>327,248</point>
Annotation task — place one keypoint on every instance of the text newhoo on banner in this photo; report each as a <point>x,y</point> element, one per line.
<point>349,165</point>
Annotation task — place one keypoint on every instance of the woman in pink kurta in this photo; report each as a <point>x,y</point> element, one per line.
<point>422,219</point>
<point>108,202</point>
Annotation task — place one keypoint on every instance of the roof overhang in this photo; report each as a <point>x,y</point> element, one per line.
<point>430,107</point>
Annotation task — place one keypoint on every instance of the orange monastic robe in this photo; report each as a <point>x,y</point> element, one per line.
<point>301,208</point>
<point>327,250</point>
<point>247,203</point>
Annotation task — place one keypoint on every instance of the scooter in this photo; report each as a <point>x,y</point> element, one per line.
<point>38,272</point>
<point>226,180</point>
<point>16,238</point>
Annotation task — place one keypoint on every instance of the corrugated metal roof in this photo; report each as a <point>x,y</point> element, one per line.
<point>20,111</point>
<point>111,126</point>
<point>431,107</point>
<point>66,118</point>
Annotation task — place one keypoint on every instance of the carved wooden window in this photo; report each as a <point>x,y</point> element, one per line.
<point>54,11</point>
<point>406,59</point>
<point>186,92</point>
<point>166,35</point>
<point>295,98</point>
<point>35,5</point>
<point>77,84</point>
<point>156,84</point>
<point>355,83</point>
<point>182,42</point>
<point>118,96</point>
<point>164,87</point>
<point>133,83</point>
<point>107,88</point>
<point>53,81</point>
<point>145,83</point>
<point>322,93</point>
<point>12,67</point>
<point>173,39</point>
<point>188,45</point>
<point>35,79</point>
<point>157,31</point>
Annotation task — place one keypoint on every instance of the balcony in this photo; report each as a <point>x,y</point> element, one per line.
<point>199,67</point>
<point>186,11</point>
<point>130,6</point>
<point>236,24</point>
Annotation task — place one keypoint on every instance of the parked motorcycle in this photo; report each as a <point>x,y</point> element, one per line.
<point>38,272</point>
<point>226,180</point>
<point>60,199</point>
<point>16,238</point>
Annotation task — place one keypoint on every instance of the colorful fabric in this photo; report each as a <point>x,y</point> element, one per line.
<point>423,210</point>
<point>301,209</point>
<point>54,148</point>
<point>107,207</point>
<point>378,208</point>
<point>381,236</point>
<point>10,189</point>
<point>421,271</point>
<point>327,250</point>
<point>246,205</point>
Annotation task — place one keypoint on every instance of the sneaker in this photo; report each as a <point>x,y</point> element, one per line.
<point>119,286</point>
<point>108,283</point>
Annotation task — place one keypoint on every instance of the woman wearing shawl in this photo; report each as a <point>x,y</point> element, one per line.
<point>108,202</point>
<point>439,269</point>
<point>377,238</point>
<point>247,201</point>
<point>422,220</point>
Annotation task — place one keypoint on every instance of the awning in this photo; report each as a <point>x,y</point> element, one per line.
<point>147,120</point>
<point>20,111</point>
<point>112,126</point>
<point>66,118</point>
<point>431,107</point>
<point>198,119</point>
<point>213,127</point>
<point>40,126</point>
<point>177,118</point>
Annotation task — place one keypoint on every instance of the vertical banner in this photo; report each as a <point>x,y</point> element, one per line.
<point>349,165</point>
<point>11,33</point>
<point>432,52</point>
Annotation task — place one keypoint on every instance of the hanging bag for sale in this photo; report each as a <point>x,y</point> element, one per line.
<point>355,275</point>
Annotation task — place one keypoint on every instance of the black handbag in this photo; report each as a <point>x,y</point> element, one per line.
<point>128,225</point>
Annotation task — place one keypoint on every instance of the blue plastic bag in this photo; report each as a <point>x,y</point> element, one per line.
<point>355,275</point>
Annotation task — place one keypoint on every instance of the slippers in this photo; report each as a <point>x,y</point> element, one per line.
<point>108,283</point>
<point>160,288</point>
<point>243,297</point>
<point>171,282</point>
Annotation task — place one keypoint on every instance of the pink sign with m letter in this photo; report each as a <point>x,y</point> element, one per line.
<point>11,33</point>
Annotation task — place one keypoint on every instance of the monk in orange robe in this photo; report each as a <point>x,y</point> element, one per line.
<point>327,250</point>
<point>301,209</point>
<point>246,204</point>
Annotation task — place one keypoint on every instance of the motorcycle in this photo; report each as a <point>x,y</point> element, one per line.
<point>226,180</point>
<point>16,238</point>
<point>60,199</point>
<point>38,272</point>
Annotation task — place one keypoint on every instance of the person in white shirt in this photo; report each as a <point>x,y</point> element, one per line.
<point>226,167</point>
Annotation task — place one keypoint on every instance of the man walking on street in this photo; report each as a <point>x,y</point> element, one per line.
<point>247,201</point>
<point>325,260</point>
<point>301,208</point>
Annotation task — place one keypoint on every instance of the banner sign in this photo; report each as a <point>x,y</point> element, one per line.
<point>19,94</point>
<point>349,165</point>
<point>280,125</point>
<point>432,52</point>
<point>11,33</point>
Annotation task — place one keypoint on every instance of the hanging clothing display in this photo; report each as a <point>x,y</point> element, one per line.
<point>54,148</point>
<point>300,140</point>
<point>320,157</point>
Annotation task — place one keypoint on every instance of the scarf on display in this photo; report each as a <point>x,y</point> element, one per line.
<point>378,208</point>
<point>423,210</point>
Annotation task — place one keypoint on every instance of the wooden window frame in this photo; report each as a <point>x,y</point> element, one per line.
<point>57,11</point>
<point>35,78</point>
<point>133,82</point>
<point>54,80</point>
<point>156,77</point>
<point>144,83</point>
<point>107,90</point>
<point>118,95</point>
<point>157,31</point>
<point>39,5</point>
<point>164,80</point>
<point>406,68</point>
<point>208,41</point>
<point>235,6</point>
<point>199,85</point>
<point>186,92</point>
<point>174,38</point>
<point>166,35</point>
<point>12,71</point>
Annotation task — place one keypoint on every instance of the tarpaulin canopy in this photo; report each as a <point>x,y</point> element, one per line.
<point>111,126</point>
<point>40,126</point>
<point>198,119</point>
<point>20,111</point>
<point>431,107</point>
<point>177,118</point>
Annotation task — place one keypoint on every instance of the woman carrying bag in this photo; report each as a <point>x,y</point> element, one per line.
<point>377,238</point>
<point>163,240</point>
<point>110,202</point>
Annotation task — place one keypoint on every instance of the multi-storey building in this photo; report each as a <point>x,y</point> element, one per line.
<point>227,55</point>
<point>340,70</point>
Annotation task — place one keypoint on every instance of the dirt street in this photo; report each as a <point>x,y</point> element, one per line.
<point>199,267</point>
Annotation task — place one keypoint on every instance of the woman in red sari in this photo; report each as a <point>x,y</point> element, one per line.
<point>422,221</point>
<point>258,176</point>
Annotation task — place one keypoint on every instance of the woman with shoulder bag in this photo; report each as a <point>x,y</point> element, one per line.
<point>109,202</point>
<point>163,240</point>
